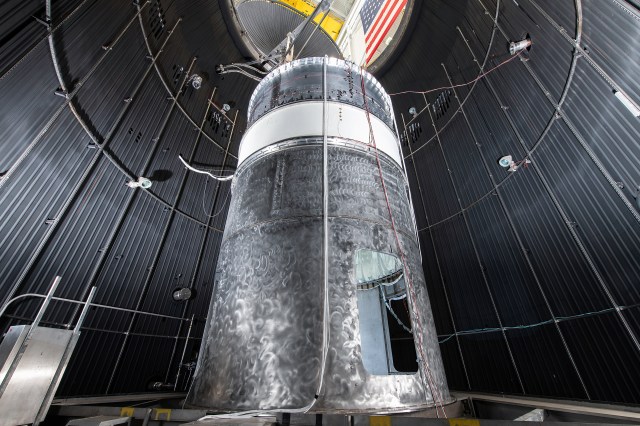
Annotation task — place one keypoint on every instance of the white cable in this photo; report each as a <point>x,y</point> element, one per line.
<point>204,172</point>
<point>220,210</point>
<point>249,67</point>
<point>241,71</point>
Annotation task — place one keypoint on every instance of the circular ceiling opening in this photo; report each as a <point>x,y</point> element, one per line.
<point>362,31</point>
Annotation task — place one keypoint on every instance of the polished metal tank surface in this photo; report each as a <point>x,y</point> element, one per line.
<point>285,327</point>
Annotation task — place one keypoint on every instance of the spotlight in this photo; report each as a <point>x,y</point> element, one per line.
<point>511,166</point>
<point>519,46</point>
<point>196,81</point>
<point>506,161</point>
<point>142,182</point>
<point>182,293</point>
<point>413,112</point>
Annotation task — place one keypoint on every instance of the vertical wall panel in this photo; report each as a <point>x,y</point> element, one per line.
<point>75,247</point>
<point>477,26</point>
<point>452,361</point>
<point>519,95</point>
<point>120,73</point>
<point>491,129</point>
<point>137,373</point>
<point>466,165</point>
<point>522,18</point>
<point>29,91</point>
<point>598,214</point>
<point>206,191</point>
<point>435,286</point>
<point>134,140</point>
<point>515,291</point>
<point>420,131</point>
<point>611,31</point>
<point>129,260</point>
<point>543,362</point>
<point>609,129</point>
<point>33,197</point>
<point>218,128</point>
<point>19,31</point>
<point>439,194</point>
<point>562,12</point>
<point>174,62</point>
<point>94,349</point>
<point>416,194</point>
<point>584,202</point>
<point>194,101</point>
<point>462,69</point>
<point>204,280</point>
<point>82,39</point>
<point>567,280</point>
<point>176,261</point>
<point>488,363</point>
<point>166,171</point>
<point>603,350</point>
<point>470,302</point>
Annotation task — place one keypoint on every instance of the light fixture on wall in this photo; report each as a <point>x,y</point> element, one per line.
<point>523,45</point>
<point>626,101</point>
<point>505,161</point>
<point>413,112</point>
<point>182,294</point>
<point>142,182</point>
<point>196,81</point>
<point>511,166</point>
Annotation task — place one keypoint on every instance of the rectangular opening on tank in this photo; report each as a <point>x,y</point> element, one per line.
<point>386,334</point>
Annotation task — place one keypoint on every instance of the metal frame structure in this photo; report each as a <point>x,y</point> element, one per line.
<point>61,364</point>
<point>470,409</point>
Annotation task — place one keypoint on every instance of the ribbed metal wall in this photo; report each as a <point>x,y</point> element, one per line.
<point>94,94</point>
<point>534,275</point>
<point>536,272</point>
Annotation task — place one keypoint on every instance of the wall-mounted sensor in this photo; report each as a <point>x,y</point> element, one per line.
<point>413,112</point>
<point>183,293</point>
<point>196,81</point>
<point>518,46</point>
<point>506,161</point>
<point>511,166</point>
<point>142,182</point>
<point>226,108</point>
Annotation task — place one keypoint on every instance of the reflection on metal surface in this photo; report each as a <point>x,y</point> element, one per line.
<point>331,24</point>
<point>301,81</point>
<point>380,283</point>
<point>267,23</point>
<point>27,389</point>
<point>276,337</point>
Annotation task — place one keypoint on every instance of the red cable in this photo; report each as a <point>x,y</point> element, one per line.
<point>458,85</point>
<point>434,391</point>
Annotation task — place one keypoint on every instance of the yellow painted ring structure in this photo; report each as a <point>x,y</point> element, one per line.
<point>331,24</point>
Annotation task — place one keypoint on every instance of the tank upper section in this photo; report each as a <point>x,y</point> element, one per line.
<point>301,81</point>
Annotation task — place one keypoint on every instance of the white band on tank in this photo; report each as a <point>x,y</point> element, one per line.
<point>304,119</point>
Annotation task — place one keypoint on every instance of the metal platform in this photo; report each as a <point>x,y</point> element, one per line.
<point>469,410</point>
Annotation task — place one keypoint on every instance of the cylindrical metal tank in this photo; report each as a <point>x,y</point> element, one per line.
<point>315,282</point>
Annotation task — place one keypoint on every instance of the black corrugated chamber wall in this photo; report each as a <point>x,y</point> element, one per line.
<point>95,94</point>
<point>534,275</point>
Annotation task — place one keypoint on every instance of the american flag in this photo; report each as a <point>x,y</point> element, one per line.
<point>377,18</point>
